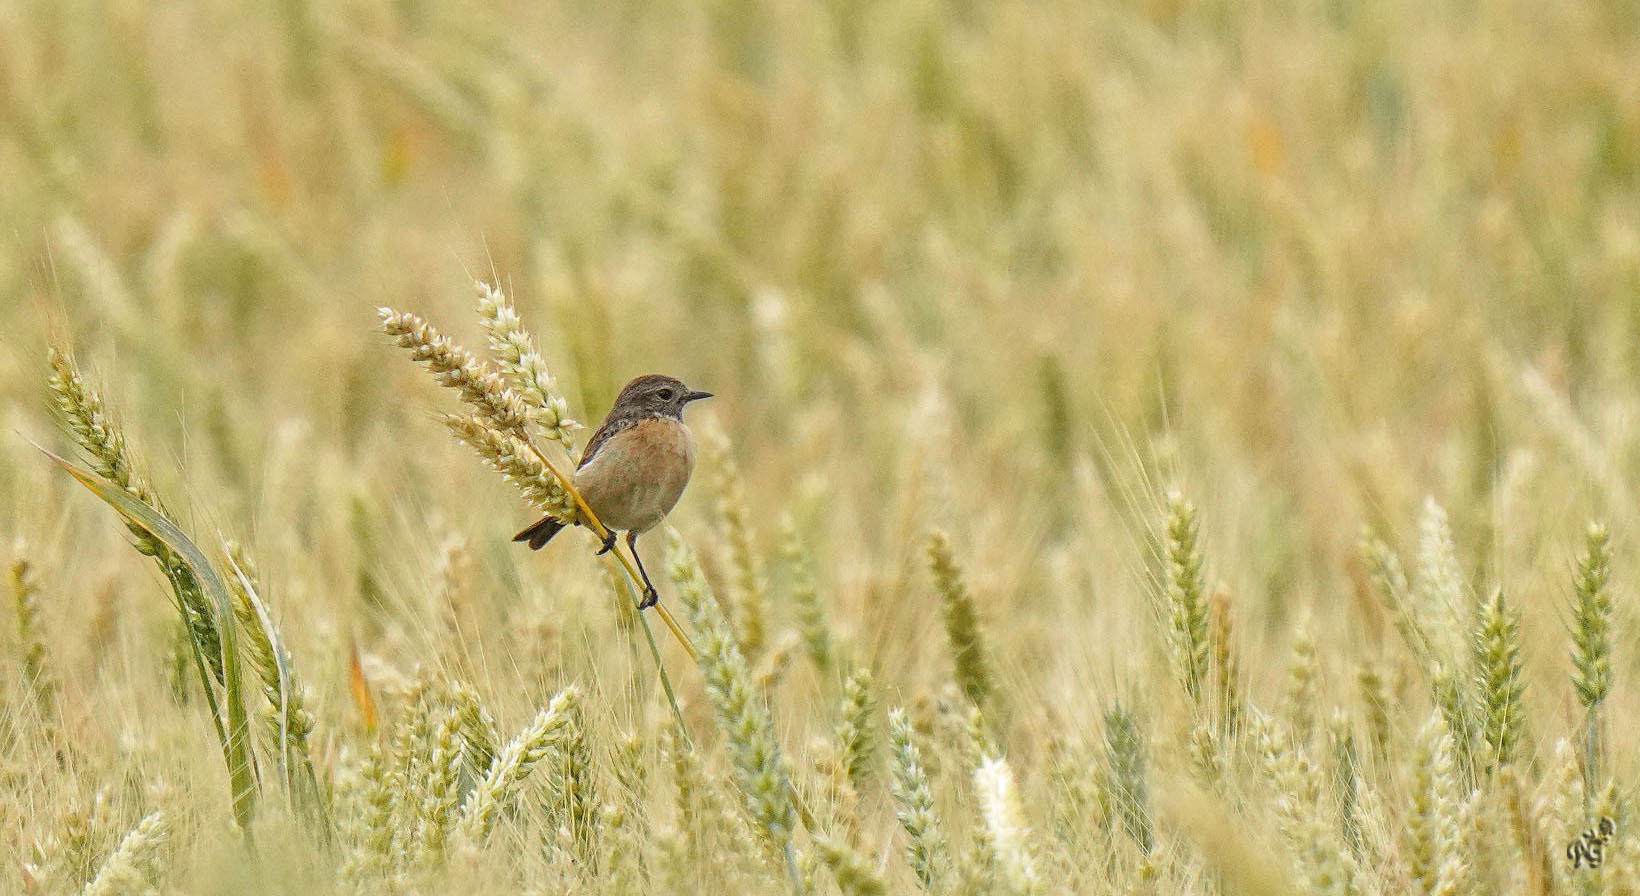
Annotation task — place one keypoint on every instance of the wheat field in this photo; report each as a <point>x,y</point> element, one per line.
<point>1158,446</point>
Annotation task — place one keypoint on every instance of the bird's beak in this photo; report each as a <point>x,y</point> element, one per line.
<point>695,396</point>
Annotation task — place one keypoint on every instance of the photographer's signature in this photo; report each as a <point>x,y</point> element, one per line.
<point>1590,846</point>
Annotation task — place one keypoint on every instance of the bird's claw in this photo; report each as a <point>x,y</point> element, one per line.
<point>609,544</point>
<point>649,598</point>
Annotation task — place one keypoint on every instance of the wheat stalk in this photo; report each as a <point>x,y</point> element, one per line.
<point>741,711</point>
<point>854,734</point>
<point>513,764</point>
<point>524,367</point>
<point>498,429</point>
<point>926,851</point>
<point>136,865</point>
<point>1009,839</point>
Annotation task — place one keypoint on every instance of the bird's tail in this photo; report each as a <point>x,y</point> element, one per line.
<point>540,533</point>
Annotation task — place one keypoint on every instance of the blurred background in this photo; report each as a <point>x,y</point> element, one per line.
<point>1010,269</point>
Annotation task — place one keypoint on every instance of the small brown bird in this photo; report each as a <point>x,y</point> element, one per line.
<point>634,467</point>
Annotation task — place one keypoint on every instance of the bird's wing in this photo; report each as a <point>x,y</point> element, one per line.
<point>610,427</point>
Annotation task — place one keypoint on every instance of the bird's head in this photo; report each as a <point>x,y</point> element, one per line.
<point>656,394</point>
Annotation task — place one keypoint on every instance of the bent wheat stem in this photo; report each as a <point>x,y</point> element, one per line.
<point>604,534</point>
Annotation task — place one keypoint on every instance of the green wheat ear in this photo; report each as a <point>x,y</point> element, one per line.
<point>99,436</point>
<point>1303,672</point>
<point>807,607</point>
<point>1297,784</point>
<point>1591,619</point>
<point>1591,626</point>
<point>37,675</point>
<point>742,713</point>
<point>1387,572</point>
<point>1186,601</point>
<point>1226,669</point>
<point>1430,838</point>
<point>747,605</point>
<point>962,627</point>
<point>202,598</point>
<point>628,857</point>
<point>1375,696</point>
<point>1125,757</point>
<point>289,723</point>
<point>856,732</point>
<point>926,851</point>
<point>1498,675</point>
<point>852,871</point>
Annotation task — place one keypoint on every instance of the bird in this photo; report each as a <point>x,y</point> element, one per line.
<point>634,468</point>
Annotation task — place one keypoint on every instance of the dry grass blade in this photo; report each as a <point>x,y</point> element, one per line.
<point>234,729</point>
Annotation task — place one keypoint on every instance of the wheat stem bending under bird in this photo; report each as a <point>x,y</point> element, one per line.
<point>604,534</point>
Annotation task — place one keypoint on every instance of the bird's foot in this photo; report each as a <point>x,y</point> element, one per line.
<point>609,544</point>
<point>649,598</point>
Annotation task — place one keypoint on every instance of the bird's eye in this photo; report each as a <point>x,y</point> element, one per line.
<point>665,395</point>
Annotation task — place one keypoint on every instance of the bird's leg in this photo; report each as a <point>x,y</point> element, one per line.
<point>609,542</point>
<point>649,595</point>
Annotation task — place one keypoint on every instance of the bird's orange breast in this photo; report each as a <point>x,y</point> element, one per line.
<point>638,474</point>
